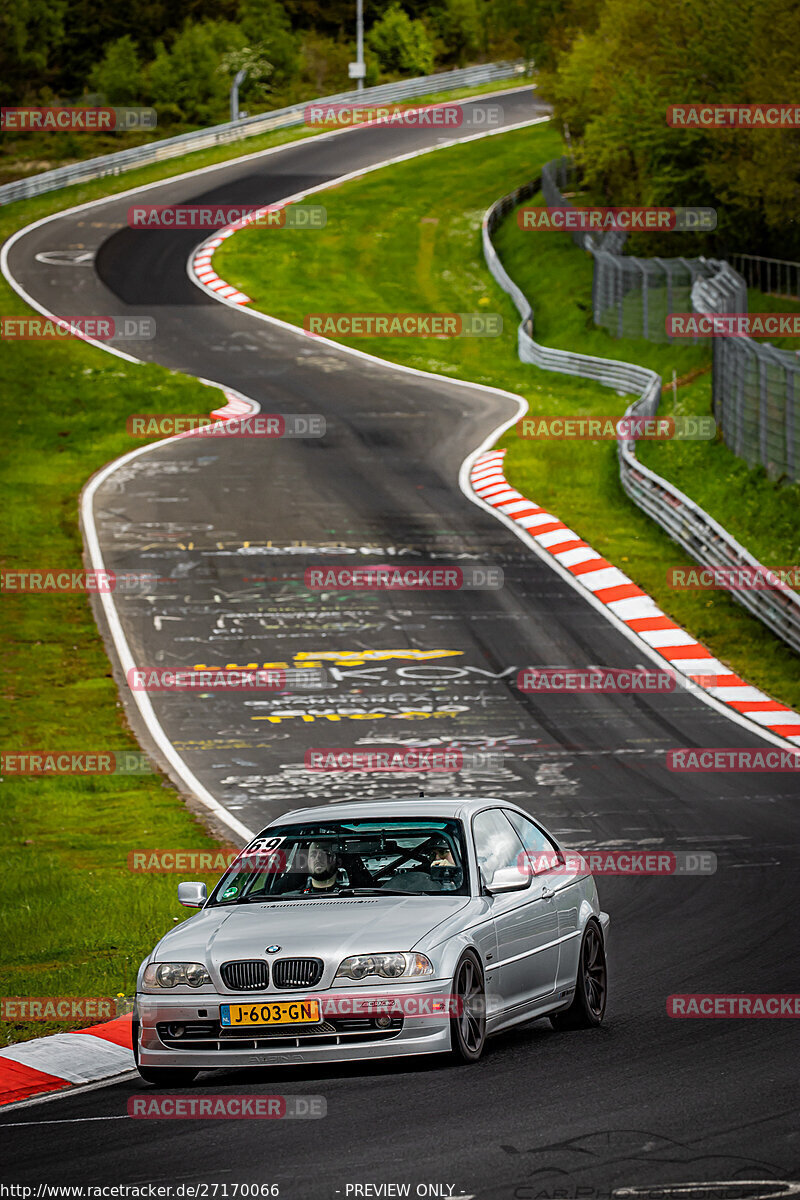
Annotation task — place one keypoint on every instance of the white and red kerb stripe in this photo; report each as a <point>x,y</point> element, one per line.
<point>201,259</point>
<point>627,600</point>
<point>63,1060</point>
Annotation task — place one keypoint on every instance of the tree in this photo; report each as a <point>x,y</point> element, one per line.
<point>400,44</point>
<point>459,25</point>
<point>613,86</point>
<point>30,33</point>
<point>118,77</point>
<point>269,34</point>
<point>185,82</point>
<point>256,86</point>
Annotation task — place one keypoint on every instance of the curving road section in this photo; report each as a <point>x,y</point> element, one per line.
<point>229,527</point>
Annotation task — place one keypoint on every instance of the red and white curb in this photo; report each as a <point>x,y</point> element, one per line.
<point>65,1060</point>
<point>626,600</point>
<point>205,273</point>
<point>200,260</point>
<point>236,406</point>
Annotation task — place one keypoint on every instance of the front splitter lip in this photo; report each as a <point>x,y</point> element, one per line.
<point>436,1041</point>
<point>419,1035</point>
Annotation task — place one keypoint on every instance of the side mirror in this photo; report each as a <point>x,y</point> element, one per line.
<point>192,895</point>
<point>507,879</point>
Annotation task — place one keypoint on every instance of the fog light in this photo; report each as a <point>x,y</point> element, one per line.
<point>176,1030</point>
<point>383,1022</point>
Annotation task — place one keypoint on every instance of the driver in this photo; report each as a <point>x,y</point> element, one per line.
<point>442,854</point>
<point>323,865</point>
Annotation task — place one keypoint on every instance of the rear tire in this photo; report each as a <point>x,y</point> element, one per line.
<point>468,1026</point>
<point>160,1076</point>
<point>591,986</point>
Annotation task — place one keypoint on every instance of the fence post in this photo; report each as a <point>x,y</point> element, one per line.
<point>791,377</point>
<point>763,398</point>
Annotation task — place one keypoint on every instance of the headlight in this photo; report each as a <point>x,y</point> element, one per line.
<point>388,966</point>
<point>175,974</point>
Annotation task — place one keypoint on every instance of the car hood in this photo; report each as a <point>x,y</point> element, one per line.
<point>326,929</point>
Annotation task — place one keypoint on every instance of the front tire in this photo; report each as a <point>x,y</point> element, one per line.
<point>160,1076</point>
<point>468,1026</point>
<point>591,986</point>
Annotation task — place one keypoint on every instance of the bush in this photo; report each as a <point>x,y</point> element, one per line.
<point>400,44</point>
<point>324,64</point>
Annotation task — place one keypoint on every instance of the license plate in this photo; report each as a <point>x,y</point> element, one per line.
<point>278,1012</point>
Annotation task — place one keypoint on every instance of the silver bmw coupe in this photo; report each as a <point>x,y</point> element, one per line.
<point>371,929</point>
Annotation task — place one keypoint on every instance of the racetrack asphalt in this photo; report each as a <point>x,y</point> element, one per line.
<point>229,526</point>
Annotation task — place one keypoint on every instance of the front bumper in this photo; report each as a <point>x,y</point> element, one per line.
<point>206,1044</point>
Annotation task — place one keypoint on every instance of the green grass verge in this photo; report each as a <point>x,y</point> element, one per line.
<point>408,239</point>
<point>74,921</point>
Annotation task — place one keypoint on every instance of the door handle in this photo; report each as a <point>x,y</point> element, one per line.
<point>547,893</point>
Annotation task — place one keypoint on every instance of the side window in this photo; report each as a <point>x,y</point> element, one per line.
<point>542,854</point>
<point>500,852</point>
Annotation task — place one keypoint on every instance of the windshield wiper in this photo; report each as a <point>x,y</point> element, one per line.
<point>377,891</point>
<point>320,893</point>
<point>262,898</point>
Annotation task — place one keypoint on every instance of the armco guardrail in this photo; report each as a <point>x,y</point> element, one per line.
<point>686,523</point>
<point>280,118</point>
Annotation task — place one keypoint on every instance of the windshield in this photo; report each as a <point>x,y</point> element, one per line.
<point>324,858</point>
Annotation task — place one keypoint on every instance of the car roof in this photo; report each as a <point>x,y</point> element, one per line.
<point>416,807</point>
